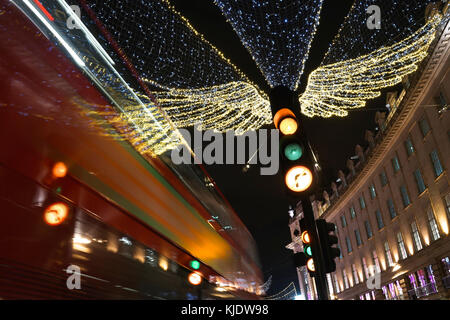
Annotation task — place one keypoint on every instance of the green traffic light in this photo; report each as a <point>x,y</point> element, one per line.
<point>293,151</point>
<point>308,251</point>
<point>195,264</point>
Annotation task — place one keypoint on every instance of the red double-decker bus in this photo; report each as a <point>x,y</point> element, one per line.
<point>76,200</point>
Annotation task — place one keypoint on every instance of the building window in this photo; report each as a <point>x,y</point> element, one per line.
<point>343,221</point>
<point>362,202</point>
<point>358,238</point>
<point>372,191</point>
<point>376,261</point>
<point>352,212</point>
<point>366,269</point>
<point>387,251</point>
<point>336,284</point>
<point>416,236</point>
<point>355,274</point>
<point>424,126</point>
<point>368,229</point>
<point>442,103</point>
<point>409,146</point>
<point>419,181</point>
<point>391,208</point>
<point>436,163</point>
<point>433,225</point>
<point>379,220</point>
<point>401,246</point>
<point>446,266</point>
<point>395,164</point>
<point>344,275</point>
<point>349,244</point>
<point>405,196</point>
<point>447,205</point>
<point>383,179</point>
<point>339,247</point>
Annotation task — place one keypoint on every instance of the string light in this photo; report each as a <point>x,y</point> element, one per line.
<point>233,106</point>
<point>335,88</point>
<point>278,35</point>
<point>399,19</point>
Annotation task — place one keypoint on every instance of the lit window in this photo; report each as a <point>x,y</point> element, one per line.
<point>395,164</point>
<point>355,274</point>
<point>387,251</point>
<point>409,146</point>
<point>368,229</point>
<point>433,225</point>
<point>447,204</point>
<point>419,181</point>
<point>366,269</point>
<point>416,236</point>
<point>401,246</point>
<point>391,208</point>
<point>379,220</point>
<point>405,196</point>
<point>372,191</point>
<point>344,275</point>
<point>376,261</point>
<point>424,126</point>
<point>436,163</point>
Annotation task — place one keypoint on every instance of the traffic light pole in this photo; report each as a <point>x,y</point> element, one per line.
<point>319,265</point>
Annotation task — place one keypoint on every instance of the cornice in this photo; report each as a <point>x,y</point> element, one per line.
<point>412,101</point>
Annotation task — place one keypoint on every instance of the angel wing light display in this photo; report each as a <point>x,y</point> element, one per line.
<point>191,81</point>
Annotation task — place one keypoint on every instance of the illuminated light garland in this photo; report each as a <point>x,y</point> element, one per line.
<point>198,83</point>
<point>399,19</point>
<point>278,35</point>
<point>333,89</point>
<point>163,45</point>
<point>224,107</point>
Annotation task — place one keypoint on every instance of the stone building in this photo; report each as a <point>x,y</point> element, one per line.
<point>392,206</point>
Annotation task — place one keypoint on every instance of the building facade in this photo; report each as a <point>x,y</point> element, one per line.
<point>392,207</point>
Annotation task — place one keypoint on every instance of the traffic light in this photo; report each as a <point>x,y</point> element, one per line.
<point>294,152</point>
<point>307,238</point>
<point>305,258</point>
<point>327,241</point>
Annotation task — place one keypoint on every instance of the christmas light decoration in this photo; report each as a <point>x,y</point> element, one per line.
<point>237,106</point>
<point>335,88</point>
<point>398,20</point>
<point>277,34</point>
<point>191,82</point>
<point>196,82</point>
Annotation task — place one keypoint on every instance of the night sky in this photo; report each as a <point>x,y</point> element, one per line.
<point>259,200</point>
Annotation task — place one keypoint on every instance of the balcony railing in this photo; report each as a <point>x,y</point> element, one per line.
<point>446,282</point>
<point>426,290</point>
